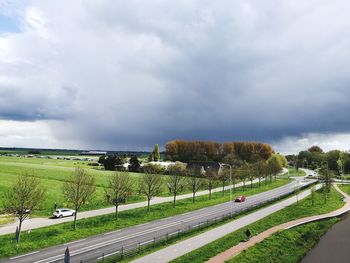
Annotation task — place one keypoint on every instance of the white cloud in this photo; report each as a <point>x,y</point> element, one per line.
<point>32,134</point>
<point>328,142</point>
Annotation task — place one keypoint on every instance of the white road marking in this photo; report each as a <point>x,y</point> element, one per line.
<point>70,243</point>
<point>25,255</point>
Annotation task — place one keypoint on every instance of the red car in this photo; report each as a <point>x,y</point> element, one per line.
<point>240,199</point>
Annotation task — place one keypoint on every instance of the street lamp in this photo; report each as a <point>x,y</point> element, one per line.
<point>231,185</point>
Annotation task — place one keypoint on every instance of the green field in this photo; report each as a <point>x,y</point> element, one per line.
<point>52,174</point>
<point>294,172</point>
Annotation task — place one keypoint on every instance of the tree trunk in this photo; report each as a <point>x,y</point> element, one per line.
<point>148,204</point>
<point>251,183</point>
<point>193,197</point>
<point>210,193</point>
<point>223,188</point>
<point>75,219</point>
<point>259,181</point>
<point>243,185</point>
<point>116,212</point>
<point>19,230</point>
<point>174,203</point>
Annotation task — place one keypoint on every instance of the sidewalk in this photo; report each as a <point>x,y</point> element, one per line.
<point>174,251</point>
<point>43,221</point>
<point>234,251</point>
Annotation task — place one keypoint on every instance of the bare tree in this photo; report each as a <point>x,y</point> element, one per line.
<point>326,176</point>
<point>151,184</point>
<point>224,176</point>
<point>211,176</point>
<point>24,197</point>
<point>260,168</point>
<point>78,189</point>
<point>176,180</point>
<point>119,187</point>
<point>195,180</point>
<point>274,166</point>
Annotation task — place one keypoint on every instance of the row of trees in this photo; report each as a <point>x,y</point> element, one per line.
<point>185,151</point>
<point>28,194</point>
<point>313,158</point>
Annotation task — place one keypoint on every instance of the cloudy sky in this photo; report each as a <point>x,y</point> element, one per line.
<point>128,74</point>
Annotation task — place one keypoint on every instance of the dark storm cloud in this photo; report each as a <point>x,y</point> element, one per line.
<point>142,73</point>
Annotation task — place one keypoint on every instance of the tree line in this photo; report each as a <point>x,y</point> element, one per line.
<point>314,158</point>
<point>185,151</point>
<point>27,194</point>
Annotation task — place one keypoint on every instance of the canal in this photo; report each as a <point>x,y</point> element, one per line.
<point>334,246</point>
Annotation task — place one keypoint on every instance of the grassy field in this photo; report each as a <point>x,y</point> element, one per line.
<point>288,246</point>
<point>345,188</point>
<point>4,219</point>
<point>294,172</point>
<point>62,233</point>
<point>303,209</point>
<point>52,174</point>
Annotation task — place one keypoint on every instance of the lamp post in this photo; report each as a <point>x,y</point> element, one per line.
<point>231,185</point>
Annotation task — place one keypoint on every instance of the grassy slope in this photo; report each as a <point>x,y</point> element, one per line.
<point>52,174</point>
<point>303,209</point>
<point>345,188</point>
<point>288,246</point>
<point>62,233</point>
<point>293,172</point>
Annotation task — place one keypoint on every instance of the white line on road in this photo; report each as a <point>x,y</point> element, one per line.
<point>24,255</point>
<point>70,243</point>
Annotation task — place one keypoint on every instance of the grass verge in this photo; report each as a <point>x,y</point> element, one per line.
<point>345,188</point>
<point>295,211</point>
<point>288,246</point>
<point>62,233</point>
<point>5,219</point>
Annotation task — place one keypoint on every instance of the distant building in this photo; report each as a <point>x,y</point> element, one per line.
<point>93,153</point>
<point>204,165</point>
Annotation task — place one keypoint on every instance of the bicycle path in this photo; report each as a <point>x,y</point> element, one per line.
<point>234,251</point>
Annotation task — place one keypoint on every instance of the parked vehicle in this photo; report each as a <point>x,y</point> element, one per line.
<point>62,212</point>
<point>240,199</point>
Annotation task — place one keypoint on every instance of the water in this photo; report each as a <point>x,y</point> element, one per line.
<point>333,247</point>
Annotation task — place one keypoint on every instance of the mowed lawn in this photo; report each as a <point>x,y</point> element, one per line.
<point>52,174</point>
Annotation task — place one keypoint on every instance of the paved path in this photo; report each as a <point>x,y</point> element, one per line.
<point>234,251</point>
<point>181,248</point>
<point>42,222</point>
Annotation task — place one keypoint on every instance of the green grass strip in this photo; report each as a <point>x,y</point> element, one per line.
<point>288,246</point>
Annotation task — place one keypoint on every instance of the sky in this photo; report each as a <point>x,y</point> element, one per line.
<point>124,75</point>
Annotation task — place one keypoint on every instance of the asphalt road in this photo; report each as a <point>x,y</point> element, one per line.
<point>92,248</point>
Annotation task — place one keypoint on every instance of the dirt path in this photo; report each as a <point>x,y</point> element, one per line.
<point>234,251</point>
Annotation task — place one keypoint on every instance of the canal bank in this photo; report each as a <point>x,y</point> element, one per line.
<point>333,246</point>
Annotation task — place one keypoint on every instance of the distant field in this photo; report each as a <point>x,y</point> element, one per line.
<point>52,174</point>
